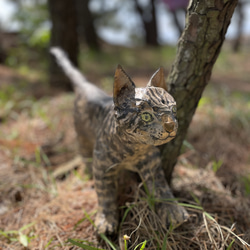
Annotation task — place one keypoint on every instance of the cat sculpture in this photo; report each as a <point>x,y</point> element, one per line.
<point>123,132</point>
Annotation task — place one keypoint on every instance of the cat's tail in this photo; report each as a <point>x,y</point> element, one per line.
<point>80,83</point>
<point>71,72</point>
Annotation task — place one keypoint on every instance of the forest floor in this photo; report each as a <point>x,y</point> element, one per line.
<point>47,198</point>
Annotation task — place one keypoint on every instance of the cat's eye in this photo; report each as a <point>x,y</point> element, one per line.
<point>146,117</point>
<point>174,109</point>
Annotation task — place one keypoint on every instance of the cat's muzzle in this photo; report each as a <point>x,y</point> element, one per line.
<point>170,126</point>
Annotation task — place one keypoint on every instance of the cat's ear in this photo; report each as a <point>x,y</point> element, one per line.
<point>158,79</point>
<point>124,88</point>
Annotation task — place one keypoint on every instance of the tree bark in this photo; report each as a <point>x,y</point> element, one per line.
<point>198,48</point>
<point>64,35</point>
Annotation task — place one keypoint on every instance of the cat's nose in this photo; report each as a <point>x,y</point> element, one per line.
<point>169,126</point>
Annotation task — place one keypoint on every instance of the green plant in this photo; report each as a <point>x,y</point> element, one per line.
<point>84,244</point>
<point>32,17</point>
<point>216,165</point>
<point>18,235</point>
<point>186,146</point>
<point>40,39</point>
<point>126,238</point>
<point>41,156</point>
<point>90,246</point>
<point>246,183</point>
<point>150,198</point>
<point>204,101</point>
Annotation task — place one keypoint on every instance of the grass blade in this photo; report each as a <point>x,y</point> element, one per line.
<point>103,236</point>
<point>83,246</point>
<point>230,245</point>
<point>164,245</point>
<point>143,245</point>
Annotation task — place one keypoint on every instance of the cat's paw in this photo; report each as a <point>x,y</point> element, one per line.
<point>172,213</point>
<point>106,224</point>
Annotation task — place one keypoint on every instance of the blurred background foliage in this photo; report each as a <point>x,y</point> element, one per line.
<point>99,34</point>
<point>96,24</point>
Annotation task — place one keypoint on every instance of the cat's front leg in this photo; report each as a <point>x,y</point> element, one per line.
<point>106,220</point>
<point>169,210</point>
<point>153,176</point>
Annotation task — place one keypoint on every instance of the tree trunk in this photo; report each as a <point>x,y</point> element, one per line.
<point>2,51</point>
<point>148,17</point>
<point>64,35</point>
<point>176,22</point>
<point>86,27</point>
<point>240,12</point>
<point>198,49</point>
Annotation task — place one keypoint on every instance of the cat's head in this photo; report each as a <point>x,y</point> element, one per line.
<point>144,115</point>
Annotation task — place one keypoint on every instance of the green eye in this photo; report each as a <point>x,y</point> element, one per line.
<point>174,109</point>
<point>146,117</point>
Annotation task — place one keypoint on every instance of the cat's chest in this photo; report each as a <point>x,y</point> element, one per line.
<point>138,156</point>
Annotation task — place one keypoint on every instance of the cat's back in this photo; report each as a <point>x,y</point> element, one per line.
<point>90,113</point>
<point>91,104</point>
